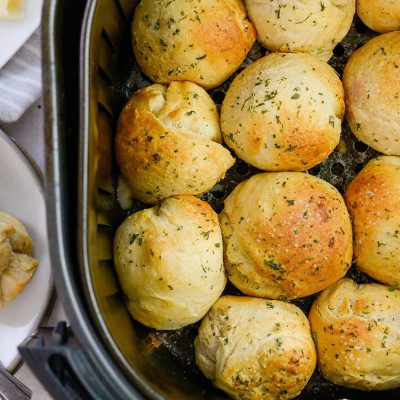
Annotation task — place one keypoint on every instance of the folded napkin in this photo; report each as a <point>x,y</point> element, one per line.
<point>21,80</point>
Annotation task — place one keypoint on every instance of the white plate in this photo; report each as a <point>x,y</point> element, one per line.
<point>13,34</point>
<point>21,195</point>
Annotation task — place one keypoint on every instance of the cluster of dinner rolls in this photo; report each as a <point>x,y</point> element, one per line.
<point>301,26</point>
<point>200,41</point>
<point>286,235</point>
<point>372,86</point>
<point>373,199</point>
<point>357,332</point>
<point>283,234</point>
<point>380,15</point>
<point>168,142</point>
<point>256,349</point>
<point>16,263</point>
<point>169,262</point>
<point>284,112</point>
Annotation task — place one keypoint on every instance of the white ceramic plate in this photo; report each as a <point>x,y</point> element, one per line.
<point>21,195</point>
<point>13,34</point>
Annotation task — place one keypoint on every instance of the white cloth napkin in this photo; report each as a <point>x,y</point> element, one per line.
<point>21,80</point>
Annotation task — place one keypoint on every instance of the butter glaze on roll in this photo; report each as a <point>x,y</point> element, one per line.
<point>286,235</point>
<point>373,199</point>
<point>284,112</point>
<point>168,142</point>
<point>169,262</point>
<point>256,349</point>
<point>200,41</point>
<point>357,331</point>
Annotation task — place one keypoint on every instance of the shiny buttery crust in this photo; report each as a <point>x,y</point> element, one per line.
<point>284,112</point>
<point>372,86</point>
<point>380,15</point>
<point>373,199</point>
<point>16,264</point>
<point>357,330</point>
<point>168,142</point>
<point>169,262</point>
<point>301,26</point>
<point>255,349</point>
<point>286,235</point>
<point>203,42</point>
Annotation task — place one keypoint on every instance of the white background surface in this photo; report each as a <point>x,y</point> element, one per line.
<point>13,34</point>
<point>29,133</point>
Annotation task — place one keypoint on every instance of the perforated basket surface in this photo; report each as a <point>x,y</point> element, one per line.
<point>163,362</point>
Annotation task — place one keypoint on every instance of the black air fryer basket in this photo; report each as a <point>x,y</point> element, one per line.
<point>89,73</point>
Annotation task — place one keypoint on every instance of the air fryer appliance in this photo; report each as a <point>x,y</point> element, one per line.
<point>89,73</point>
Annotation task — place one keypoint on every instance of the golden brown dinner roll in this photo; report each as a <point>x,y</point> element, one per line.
<point>373,199</point>
<point>168,142</point>
<point>357,331</point>
<point>380,15</point>
<point>184,40</point>
<point>286,235</point>
<point>372,86</point>
<point>307,27</point>
<point>284,112</point>
<point>16,264</point>
<point>255,349</point>
<point>169,262</point>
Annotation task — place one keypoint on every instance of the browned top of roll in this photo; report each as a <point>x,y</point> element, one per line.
<point>203,42</point>
<point>286,235</point>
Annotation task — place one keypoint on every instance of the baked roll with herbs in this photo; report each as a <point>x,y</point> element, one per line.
<point>373,199</point>
<point>168,142</point>
<point>314,27</point>
<point>183,40</point>
<point>372,86</point>
<point>169,262</point>
<point>286,235</point>
<point>284,112</point>
<point>256,349</point>
<point>356,330</point>
<point>17,265</point>
<point>380,15</point>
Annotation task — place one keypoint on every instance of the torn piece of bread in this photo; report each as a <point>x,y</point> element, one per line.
<point>16,264</point>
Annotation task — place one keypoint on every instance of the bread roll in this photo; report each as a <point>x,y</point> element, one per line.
<point>16,264</point>
<point>297,26</point>
<point>284,112</point>
<point>286,235</point>
<point>169,262</point>
<point>373,199</point>
<point>255,349</point>
<point>356,328</point>
<point>203,42</point>
<point>168,142</point>
<point>372,86</point>
<point>380,15</point>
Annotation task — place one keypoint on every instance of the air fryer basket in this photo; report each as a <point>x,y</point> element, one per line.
<point>162,363</point>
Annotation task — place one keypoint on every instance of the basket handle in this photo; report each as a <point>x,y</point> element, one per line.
<point>62,365</point>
